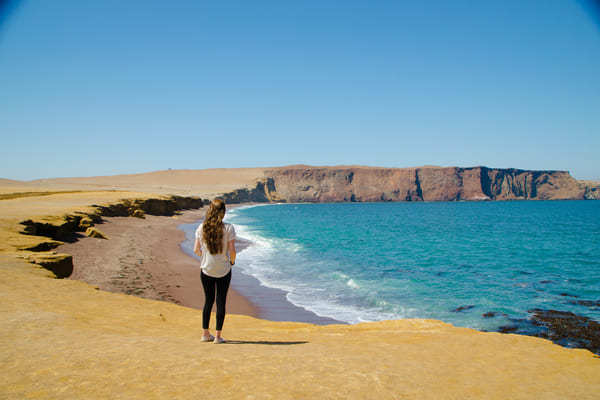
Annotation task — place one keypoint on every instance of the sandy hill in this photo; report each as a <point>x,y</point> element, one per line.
<point>9,182</point>
<point>202,182</point>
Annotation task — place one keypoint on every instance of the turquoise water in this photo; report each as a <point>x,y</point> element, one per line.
<point>448,261</point>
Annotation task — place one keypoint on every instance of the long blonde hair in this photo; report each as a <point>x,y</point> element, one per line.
<point>212,228</point>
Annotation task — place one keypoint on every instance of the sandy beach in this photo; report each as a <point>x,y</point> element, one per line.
<point>132,330</point>
<point>144,258</point>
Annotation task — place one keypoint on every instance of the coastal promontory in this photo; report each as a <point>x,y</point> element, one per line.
<point>302,183</point>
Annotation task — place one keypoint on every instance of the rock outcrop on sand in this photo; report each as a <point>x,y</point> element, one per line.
<point>94,232</point>
<point>49,232</point>
<point>61,265</point>
<point>367,184</point>
<point>64,227</point>
<point>261,190</point>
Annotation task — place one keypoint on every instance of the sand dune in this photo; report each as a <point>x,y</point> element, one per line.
<point>201,182</point>
<point>9,182</point>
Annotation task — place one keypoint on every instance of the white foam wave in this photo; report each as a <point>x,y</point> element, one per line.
<point>352,283</point>
<point>283,264</point>
<point>265,261</point>
<point>349,313</point>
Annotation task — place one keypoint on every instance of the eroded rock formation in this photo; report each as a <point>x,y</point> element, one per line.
<point>65,227</point>
<point>368,184</point>
<point>262,191</point>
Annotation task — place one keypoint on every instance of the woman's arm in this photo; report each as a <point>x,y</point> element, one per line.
<point>198,247</point>
<point>232,251</point>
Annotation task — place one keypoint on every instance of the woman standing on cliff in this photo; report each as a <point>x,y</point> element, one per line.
<point>215,244</point>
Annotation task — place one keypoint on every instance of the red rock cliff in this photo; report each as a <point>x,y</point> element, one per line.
<point>368,184</point>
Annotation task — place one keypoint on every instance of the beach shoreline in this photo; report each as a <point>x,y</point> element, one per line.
<point>146,258</point>
<point>143,258</point>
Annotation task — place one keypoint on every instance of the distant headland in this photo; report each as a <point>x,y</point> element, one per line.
<point>302,183</point>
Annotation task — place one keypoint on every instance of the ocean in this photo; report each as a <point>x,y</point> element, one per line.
<point>481,265</point>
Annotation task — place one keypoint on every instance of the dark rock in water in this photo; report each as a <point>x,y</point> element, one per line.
<point>586,303</point>
<point>463,308</point>
<point>568,295</point>
<point>508,329</point>
<point>525,272</point>
<point>561,327</point>
<point>490,314</point>
<point>567,329</point>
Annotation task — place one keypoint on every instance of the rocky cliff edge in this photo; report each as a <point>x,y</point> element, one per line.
<point>369,184</point>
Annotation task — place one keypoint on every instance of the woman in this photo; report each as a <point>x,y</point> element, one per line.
<point>215,244</point>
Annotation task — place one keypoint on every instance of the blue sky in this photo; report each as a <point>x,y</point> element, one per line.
<point>110,87</point>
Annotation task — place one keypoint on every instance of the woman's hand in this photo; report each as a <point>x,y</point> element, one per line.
<point>232,253</point>
<point>198,248</point>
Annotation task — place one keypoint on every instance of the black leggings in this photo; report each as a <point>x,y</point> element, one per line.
<point>222,286</point>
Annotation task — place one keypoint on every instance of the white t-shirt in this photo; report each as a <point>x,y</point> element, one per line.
<point>216,265</point>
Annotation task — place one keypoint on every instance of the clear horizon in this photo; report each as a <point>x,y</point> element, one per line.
<point>101,88</point>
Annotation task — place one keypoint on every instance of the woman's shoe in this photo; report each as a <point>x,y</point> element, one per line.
<point>219,340</point>
<point>208,338</point>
